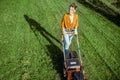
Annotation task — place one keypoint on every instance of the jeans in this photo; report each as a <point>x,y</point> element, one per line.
<point>67,39</point>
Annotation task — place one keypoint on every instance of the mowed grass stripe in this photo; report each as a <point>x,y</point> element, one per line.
<point>106,30</point>
<point>104,26</point>
<point>104,50</point>
<point>54,18</point>
<point>91,31</point>
<point>104,35</point>
<point>57,11</point>
<point>88,58</point>
<point>105,38</point>
<point>100,65</point>
<point>108,52</point>
<point>112,48</point>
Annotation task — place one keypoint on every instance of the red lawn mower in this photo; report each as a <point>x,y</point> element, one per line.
<point>72,69</point>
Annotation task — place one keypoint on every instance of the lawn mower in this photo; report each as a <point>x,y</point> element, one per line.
<point>72,68</point>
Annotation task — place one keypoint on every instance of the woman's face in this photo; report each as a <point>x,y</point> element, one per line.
<point>72,10</point>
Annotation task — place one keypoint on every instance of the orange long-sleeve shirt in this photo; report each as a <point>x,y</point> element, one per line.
<point>66,23</point>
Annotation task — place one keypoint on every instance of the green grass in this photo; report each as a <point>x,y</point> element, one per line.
<point>30,38</point>
<point>109,4</point>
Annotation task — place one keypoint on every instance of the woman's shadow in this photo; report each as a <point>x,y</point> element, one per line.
<point>54,51</point>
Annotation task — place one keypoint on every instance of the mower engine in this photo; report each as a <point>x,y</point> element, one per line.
<point>73,67</point>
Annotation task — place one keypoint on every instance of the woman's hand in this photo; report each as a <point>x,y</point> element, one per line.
<point>76,31</point>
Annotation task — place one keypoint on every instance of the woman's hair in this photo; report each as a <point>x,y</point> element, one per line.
<point>73,5</point>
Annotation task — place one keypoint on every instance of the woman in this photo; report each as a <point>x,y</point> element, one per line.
<point>69,25</point>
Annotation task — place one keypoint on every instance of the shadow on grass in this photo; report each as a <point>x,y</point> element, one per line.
<point>103,9</point>
<point>54,51</point>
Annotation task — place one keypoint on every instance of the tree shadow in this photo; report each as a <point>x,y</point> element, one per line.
<point>103,9</point>
<point>116,4</point>
<point>54,51</point>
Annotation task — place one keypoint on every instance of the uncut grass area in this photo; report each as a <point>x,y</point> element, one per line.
<point>30,41</point>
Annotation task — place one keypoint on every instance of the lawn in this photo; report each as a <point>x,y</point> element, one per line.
<point>30,41</point>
